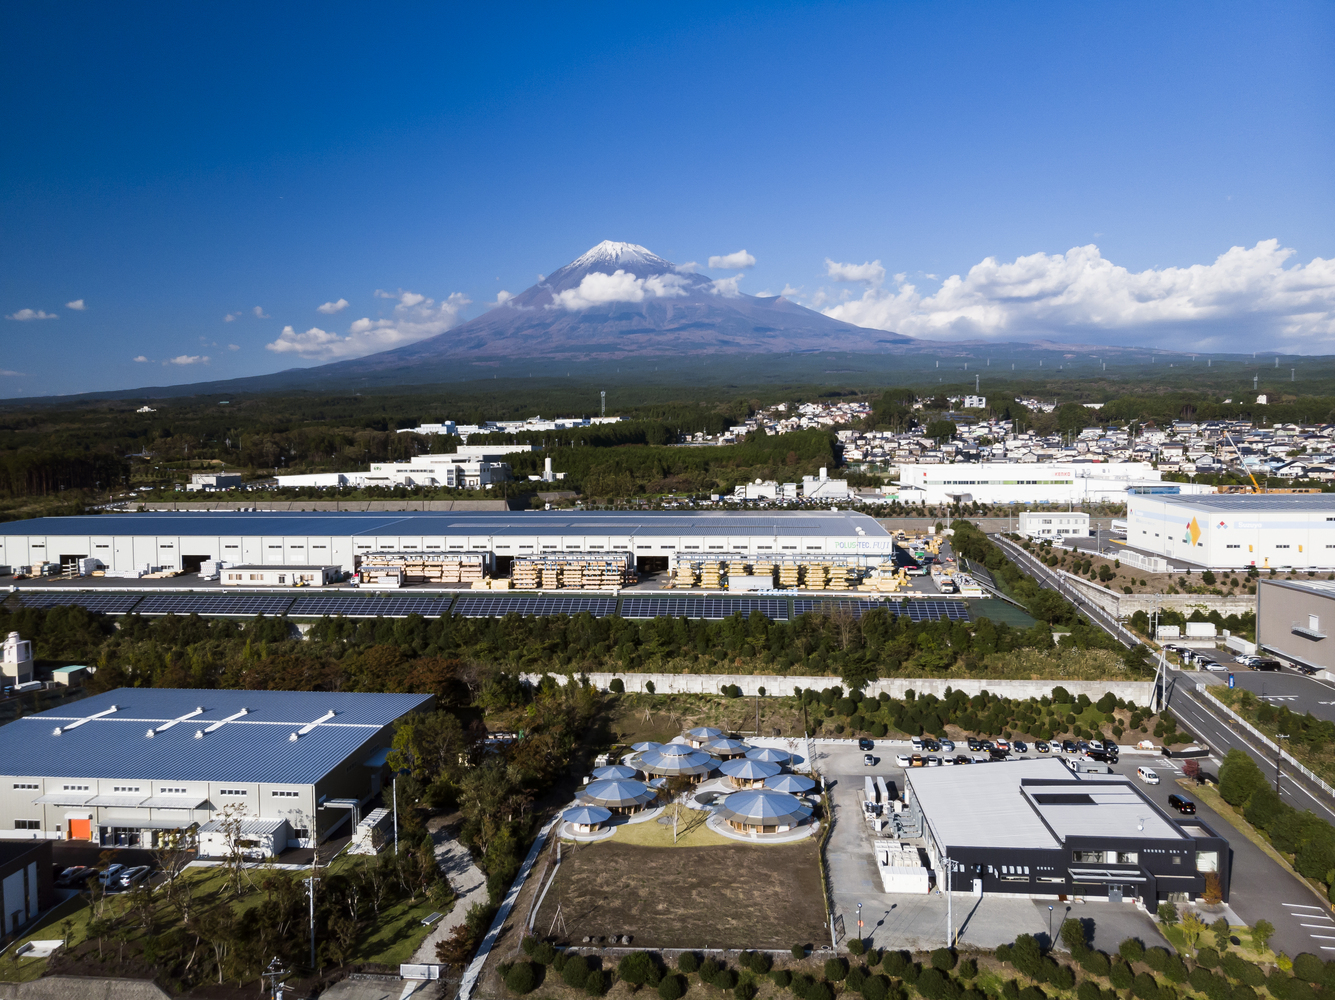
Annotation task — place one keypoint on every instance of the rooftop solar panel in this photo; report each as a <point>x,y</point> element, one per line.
<point>390,606</point>
<point>107,604</point>
<point>214,604</point>
<point>933,611</point>
<point>496,607</point>
<point>712,608</point>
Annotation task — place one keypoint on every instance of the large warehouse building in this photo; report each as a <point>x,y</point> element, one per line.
<point>1234,531</point>
<point>1294,619</point>
<point>1035,828</point>
<point>184,540</point>
<point>120,768</point>
<point>1029,482</point>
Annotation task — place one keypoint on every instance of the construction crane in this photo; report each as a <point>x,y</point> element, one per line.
<point>1256,487</point>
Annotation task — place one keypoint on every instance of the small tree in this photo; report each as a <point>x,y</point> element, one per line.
<point>1262,932</point>
<point>1167,914</point>
<point>1220,929</point>
<point>1193,927</point>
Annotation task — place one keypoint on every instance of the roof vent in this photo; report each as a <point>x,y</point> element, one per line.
<point>199,734</point>
<point>149,734</point>
<point>292,738</point>
<point>57,731</point>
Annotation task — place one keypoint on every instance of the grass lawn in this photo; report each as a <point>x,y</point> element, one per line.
<point>691,832</point>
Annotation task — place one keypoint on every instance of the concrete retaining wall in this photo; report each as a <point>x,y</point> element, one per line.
<point>895,687</point>
<point>1119,605</point>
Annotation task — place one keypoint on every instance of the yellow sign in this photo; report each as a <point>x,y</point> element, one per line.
<point>1194,530</point>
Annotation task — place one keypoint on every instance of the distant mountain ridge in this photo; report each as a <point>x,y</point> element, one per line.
<point>622,300</point>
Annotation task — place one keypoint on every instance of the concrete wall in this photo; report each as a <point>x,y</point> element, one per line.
<point>1119,605</point>
<point>895,687</point>
<point>1281,609</point>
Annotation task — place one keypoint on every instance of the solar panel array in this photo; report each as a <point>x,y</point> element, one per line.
<point>107,604</point>
<point>712,608</point>
<point>827,606</point>
<point>214,604</point>
<point>495,607</point>
<point>389,606</point>
<point>935,611</point>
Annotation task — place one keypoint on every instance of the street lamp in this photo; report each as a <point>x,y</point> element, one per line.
<point>859,921</point>
<point>1279,756</point>
<point>1049,925</point>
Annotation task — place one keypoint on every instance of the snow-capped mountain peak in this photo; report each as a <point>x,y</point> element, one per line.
<point>620,255</point>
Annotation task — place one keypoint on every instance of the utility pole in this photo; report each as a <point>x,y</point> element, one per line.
<point>1279,757</point>
<point>602,411</point>
<point>396,814</point>
<point>310,886</point>
<point>950,915</point>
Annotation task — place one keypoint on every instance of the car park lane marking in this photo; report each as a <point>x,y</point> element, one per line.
<point>1301,906</point>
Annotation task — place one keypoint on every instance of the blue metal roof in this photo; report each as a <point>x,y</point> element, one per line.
<point>481,522</point>
<point>254,748</point>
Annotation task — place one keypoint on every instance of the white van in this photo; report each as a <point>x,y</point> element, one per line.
<point>916,741</point>
<point>1147,775</point>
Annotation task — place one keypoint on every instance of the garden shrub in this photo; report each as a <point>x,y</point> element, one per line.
<point>1156,958</point>
<point>726,979</point>
<point>688,962</point>
<point>856,946</point>
<point>1027,956</point>
<point>639,969</point>
<point>1243,993</point>
<point>835,969</point>
<point>709,969</point>
<point>1309,968</point>
<point>575,971</point>
<point>895,962</point>
<point>746,990</point>
<point>855,978</point>
<point>1032,993</point>
<point>1010,990</point>
<point>1238,968</point>
<point>1174,971</point>
<point>1003,953</point>
<point>761,963</point>
<point>943,959</point>
<point>875,988</point>
<point>559,962</point>
<point>1131,949</point>
<point>1062,977</point>
<point>1088,991</point>
<point>544,952</point>
<point>912,970</point>
<point>1145,986</point>
<point>521,979</point>
<point>820,991</point>
<point>799,951</point>
<point>1095,962</point>
<point>671,988</point>
<point>934,984</point>
<point>968,969</point>
<point>595,984</point>
<point>782,978</point>
<point>1207,957</point>
<point>528,944</point>
<point>618,686</point>
<point>1120,976</point>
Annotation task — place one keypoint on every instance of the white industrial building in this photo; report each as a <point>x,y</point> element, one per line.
<point>1234,531</point>
<point>468,468</point>
<point>1031,482</point>
<point>1055,524</point>
<point>125,767</point>
<point>509,426</point>
<point>185,540</point>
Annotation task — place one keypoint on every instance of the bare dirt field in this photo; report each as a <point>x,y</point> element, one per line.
<point>725,896</point>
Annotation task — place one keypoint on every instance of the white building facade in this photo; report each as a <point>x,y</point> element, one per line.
<point>1235,531</point>
<point>1026,482</point>
<point>1058,524</point>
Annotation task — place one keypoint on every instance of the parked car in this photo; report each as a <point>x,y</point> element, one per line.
<point>996,753</point>
<point>933,761</point>
<point>974,743</point>
<point>1020,746</point>
<point>1182,805</point>
<point>1041,746</point>
<point>902,759</point>
<point>1148,775</point>
<point>1212,665</point>
<point>132,876</point>
<point>1247,659</point>
<point>1068,746</point>
<point>868,760</point>
<point>948,746</point>
<point>916,760</point>
<point>980,759</point>
<point>76,875</point>
<point>961,759</point>
<point>110,874</point>
<point>865,744</point>
<point>1003,745</point>
<point>1303,668</point>
<point>1261,663</point>
<point>916,742</point>
<point>988,746</point>
<point>931,746</point>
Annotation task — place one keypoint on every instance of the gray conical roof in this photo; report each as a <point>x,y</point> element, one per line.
<point>586,815</point>
<point>662,761</point>
<point>749,770</point>
<point>614,771</point>
<point>794,784</point>
<point>763,807</point>
<point>769,754</point>
<point>617,793</point>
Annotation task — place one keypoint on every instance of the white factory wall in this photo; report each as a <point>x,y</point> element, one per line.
<point>128,552</point>
<point>1232,539</point>
<point>1021,482</point>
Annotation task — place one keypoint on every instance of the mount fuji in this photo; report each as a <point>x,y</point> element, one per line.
<point>621,300</point>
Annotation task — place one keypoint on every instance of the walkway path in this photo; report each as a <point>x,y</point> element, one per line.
<point>456,864</point>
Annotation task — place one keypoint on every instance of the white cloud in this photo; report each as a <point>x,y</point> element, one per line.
<point>733,261</point>
<point>1244,294</point>
<point>231,317</point>
<point>141,359</point>
<point>188,359</point>
<point>260,313</point>
<point>502,297</point>
<point>690,267</point>
<point>6,371</point>
<point>234,347</point>
<point>727,287</point>
<point>77,305</point>
<point>597,288</point>
<point>329,308</point>
<point>23,315</point>
<point>789,291</point>
<point>871,274</point>
<point>416,317</point>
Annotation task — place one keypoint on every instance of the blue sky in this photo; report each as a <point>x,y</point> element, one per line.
<point>172,166</point>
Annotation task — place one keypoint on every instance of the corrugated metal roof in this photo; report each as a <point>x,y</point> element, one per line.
<point>256,747</point>
<point>326,522</point>
<point>1242,503</point>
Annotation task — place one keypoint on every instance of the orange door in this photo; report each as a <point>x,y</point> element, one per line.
<point>81,829</point>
